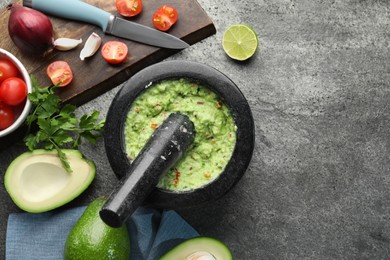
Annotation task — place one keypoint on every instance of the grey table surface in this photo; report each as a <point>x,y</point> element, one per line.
<point>319,86</point>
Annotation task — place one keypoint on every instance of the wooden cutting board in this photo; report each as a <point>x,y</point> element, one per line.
<point>94,75</point>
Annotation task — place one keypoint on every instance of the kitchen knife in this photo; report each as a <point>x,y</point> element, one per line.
<point>109,23</point>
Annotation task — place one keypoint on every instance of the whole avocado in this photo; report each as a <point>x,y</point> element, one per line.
<point>91,238</point>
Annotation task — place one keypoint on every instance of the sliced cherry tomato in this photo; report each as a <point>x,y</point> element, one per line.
<point>7,116</point>
<point>114,52</point>
<point>60,73</point>
<point>13,91</point>
<point>129,8</point>
<point>165,17</point>
<point>7,70</point>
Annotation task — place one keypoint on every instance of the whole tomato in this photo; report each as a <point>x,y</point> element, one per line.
<point>7,70</point>
<point>13,91</point>
<point>7,116</point>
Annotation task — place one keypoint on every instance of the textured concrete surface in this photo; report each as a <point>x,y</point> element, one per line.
<point>318,183</point>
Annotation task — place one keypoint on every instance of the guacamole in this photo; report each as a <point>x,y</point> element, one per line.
<point>215,128</point>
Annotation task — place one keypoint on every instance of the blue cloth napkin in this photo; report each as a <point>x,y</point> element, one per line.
<point>42,236</point>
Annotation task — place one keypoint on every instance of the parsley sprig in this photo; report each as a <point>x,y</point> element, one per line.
<point>57,124</point>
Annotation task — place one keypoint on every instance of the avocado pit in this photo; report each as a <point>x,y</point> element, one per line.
<point>201,255</point>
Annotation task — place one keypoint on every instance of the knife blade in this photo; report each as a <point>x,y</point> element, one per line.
<point>109,23</point>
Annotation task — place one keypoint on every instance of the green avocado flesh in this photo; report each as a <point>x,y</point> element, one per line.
<point>205,248</point>
<point>91,239</point>
<point>215,129</point>
<point>37,182</point>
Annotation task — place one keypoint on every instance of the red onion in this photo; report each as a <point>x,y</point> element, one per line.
<point>30,30</point>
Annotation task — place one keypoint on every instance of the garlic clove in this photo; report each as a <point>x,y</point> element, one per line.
<point>65,44</point>
<point>91,46</point>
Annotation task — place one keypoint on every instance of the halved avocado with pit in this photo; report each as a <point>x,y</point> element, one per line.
<point>37,182</point>
<point>205,248</point>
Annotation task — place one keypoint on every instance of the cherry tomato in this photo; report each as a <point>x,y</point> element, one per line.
<point>60,73</point>
<point>7,70</point>
<point>13,91</point>
<point>7,116</point>
<point>129,8</point>
<point>114,52</point>
<point>165,17</point>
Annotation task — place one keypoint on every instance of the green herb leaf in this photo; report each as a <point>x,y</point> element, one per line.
<point>57,124</point>
<point>64,159</point>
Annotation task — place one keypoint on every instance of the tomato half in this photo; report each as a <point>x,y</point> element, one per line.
<point>7,116</point>
<point>13,91</point>
<point>114,52</point>
<point>60,73</point>
<point>7,70</point>
<point>129,8</point>
<point>165,17</point>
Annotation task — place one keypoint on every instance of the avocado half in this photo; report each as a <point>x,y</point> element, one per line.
<point>205,248</point>
<point>37,182</point>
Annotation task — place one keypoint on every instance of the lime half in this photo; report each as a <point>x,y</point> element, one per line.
<point>239,41</point>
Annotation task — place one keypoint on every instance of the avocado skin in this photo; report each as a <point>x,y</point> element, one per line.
<point>91,238</point>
